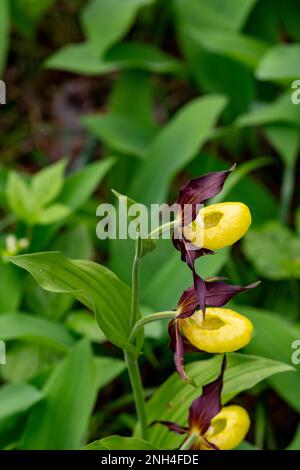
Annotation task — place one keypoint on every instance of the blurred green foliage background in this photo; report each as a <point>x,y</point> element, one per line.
<point>140,96</point>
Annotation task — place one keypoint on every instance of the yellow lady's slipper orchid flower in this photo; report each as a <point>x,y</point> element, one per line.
<point>219,225</point>
<point>222,330</point>
<point>227,429</point>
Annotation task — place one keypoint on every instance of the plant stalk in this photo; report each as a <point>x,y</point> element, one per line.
<point>138,392</point>
<point>149,319</point>
<point>131,359</point>
<point>189,442</point>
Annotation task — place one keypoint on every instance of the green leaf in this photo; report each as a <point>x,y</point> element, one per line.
<point>174,146</point>
<point>273,338</point>
<point>295,444</point>
<point>285,140</point>
<point>11,288</point>
<point>61,420</point>
<point>91,284</point>
<point>274,251</point>
<point>120,443</point>
<point>134,55</point>
<point>17,398</point>
<point>4,33</point>
<point>244,49</point>
<point>24,361</point>
<point>53,214</point>
<point>106,21</point>
<point>20,198</point>
<point>279,111</point>
<point>139,84</point>
<point>173,398</point>
<point>147,244</point>
<point>21,326</point>
<point>47,183</point>
<point>84,324</point>
<point>280,62</point>
<point>238,176</point>
<point>107,369</point>
<point>79,186</point>
<point>120,133</point>
<point>173,275</point>
<point>228,14</point>
<point>79,58</point>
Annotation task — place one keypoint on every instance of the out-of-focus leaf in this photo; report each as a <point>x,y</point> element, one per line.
<point>20,198</point>
<point>76,242</point>
<point>245,49</point>
<point>120,443</point>
<point>84,324</point>
<point>48,304</point>
<point>134,55</point>
<point>285,140</point>
<point>80,185</point>
<point>173,277</point>
<point>280,62</point>
<point>139,84</point>
<point>295,444</point>
<point>274,251</point>
<point>227,14</point>
<point>61,420</point>
<point>107,369</point>
<point>19,326</point>
<point>81,58</point>
<point>280,110</point>
<point>47,183</point>
<point>52,214</point>
<point>4,33</point>
<point>91,284</point>
<point>173,398</point>
<point>273,338</point>
<point>120,133</point>
<point>11,288</point>
<point>239,174</point>
<point>106,21</point>
<point>25,361</point>
<point>17,398</point>
<point>174,146</point>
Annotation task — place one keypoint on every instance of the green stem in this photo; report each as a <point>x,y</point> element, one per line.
<point>135,283</point>
<point>149,319</point>
<point>189,442</point>
<point>131,359</point>
<point>138,392</point>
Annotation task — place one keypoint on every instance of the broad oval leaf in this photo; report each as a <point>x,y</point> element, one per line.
<point>17,398</point>
<point>93,285</point>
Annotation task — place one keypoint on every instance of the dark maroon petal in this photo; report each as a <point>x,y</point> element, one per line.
<point>189,252</point>
<point>172,426</point>
<point>179,345</point>
<point>219,293</point>
<point>208,405</point>
<point>198,190</point>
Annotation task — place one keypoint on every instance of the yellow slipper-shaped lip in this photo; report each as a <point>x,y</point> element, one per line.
<point>223,330</point>
<point>228,428</point>
<point>219,225</point>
